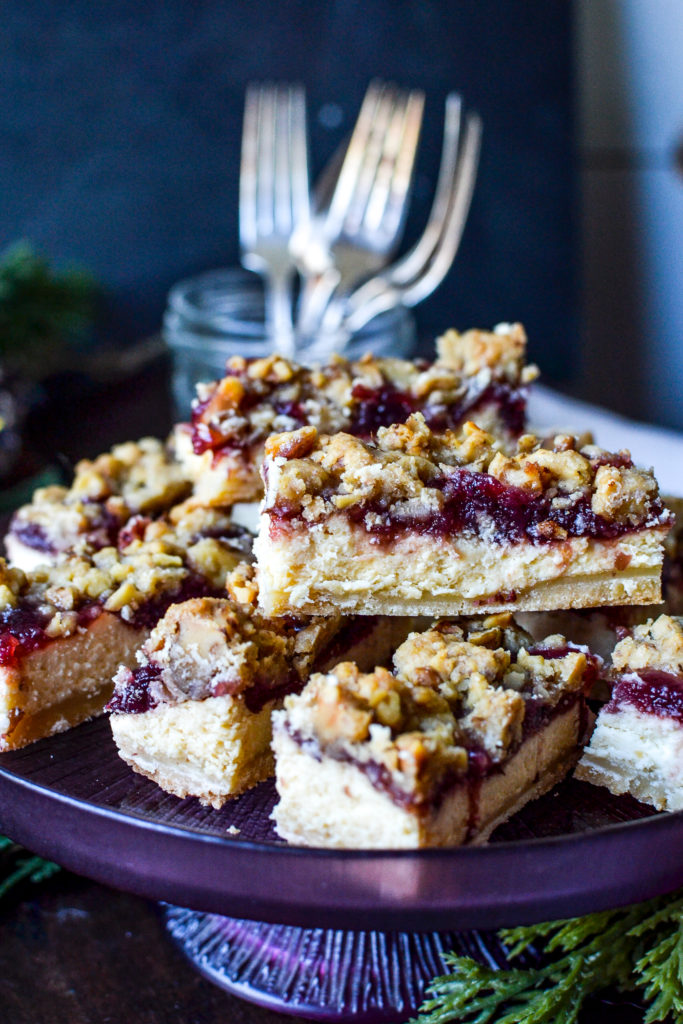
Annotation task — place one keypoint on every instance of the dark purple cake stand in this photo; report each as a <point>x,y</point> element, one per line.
<point>351,934</point>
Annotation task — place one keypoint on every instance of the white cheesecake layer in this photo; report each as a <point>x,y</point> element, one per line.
<point>336,564</point>
<point>637,753</point>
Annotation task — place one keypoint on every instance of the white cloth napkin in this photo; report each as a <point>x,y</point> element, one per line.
<point>649,446</point>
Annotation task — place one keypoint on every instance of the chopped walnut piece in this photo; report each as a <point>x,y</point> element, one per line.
<point>514,472</point>
<point>476,350</point>
<point>336,720</point>
<point>539,468</point>
<point>242,585</point>
<point>550,678</point>
<point>227,395</point>
<point>656,644</point>
<point>549,530</point>
<point>623,494</point>
<point>452,659</point>
<point>294,445</point>
<point>272,368</point>
<point>495,720</point>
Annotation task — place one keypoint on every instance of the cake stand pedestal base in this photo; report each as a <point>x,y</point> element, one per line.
<point>323,974</point>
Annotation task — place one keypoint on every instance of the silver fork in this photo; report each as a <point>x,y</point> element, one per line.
<point>421,270</point>
<point>366,209</point>
<point>274,196</point>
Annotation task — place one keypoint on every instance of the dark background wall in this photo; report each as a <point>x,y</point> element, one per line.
<point>120,129</point>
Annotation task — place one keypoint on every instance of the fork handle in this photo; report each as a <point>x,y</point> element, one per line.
<point>279,322</point>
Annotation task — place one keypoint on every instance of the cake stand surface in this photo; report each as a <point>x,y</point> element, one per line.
<point>363,930</point>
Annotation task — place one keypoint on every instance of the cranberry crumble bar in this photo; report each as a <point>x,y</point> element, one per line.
<point>637,746</point>
<point>65,628</point>
<point>472,723</point>
<point>135,477</point>
<point>195,715</point>
<point>421,523</point>
<point>478,373</point>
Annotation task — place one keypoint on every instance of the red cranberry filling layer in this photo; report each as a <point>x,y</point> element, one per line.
<point>380,407</point>
<point>649,691</point>
<point>21,631</point>
<point>476,503</point>
<point>32,535</point>
<point>135,697</point>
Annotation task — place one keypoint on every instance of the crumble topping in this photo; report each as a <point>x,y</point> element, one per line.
<point>135,477</point>
<point>656,644</point>
<point>154,562</point>
<point>454,690</point>
<point>623,494</point>
<point>142,473</point>
<point>260,397</point>
<point>546,489</point>
<point>376,719</point>
<point>503,348</point>
<point>209,647</point>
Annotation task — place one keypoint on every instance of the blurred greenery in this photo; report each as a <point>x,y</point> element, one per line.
<point>19,867</point>
<point>43,311</point>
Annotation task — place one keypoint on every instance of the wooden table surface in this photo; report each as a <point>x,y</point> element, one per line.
<point>74,952</point>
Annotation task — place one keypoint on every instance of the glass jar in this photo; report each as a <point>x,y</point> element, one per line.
<point>221,313</point>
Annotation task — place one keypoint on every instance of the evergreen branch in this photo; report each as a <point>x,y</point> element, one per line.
<point>639,946</point>
<point>41,310</point>
<point>18,865</point>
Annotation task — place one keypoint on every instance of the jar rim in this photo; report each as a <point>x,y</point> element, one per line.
<point>231,300</point>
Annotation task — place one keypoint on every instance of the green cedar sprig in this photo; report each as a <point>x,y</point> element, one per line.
<point>18,865</point>
<point>42,310</point>
<point>638,947</point>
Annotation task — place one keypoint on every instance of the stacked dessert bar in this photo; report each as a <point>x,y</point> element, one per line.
<point>405,517</point>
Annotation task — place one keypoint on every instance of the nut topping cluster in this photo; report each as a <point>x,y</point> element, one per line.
<point>460,687</point>
<point>656,645</point>
<point>133,478</point>
<point>261,397</point>
<point>409,471</point>
<point>209,647</point>
<point>156,558</point>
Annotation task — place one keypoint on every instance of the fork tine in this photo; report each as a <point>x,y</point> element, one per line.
<point>416,259</point>
<point>380,139</point>
<point>351,166</point>
<point>265,178</point>
<point>248,168</point>
<point>457,215</point>
<point>298,177</point>
<point>390,147</point>
<point>282,196</point>
<point>390,207</point>
<point>386,290</point>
